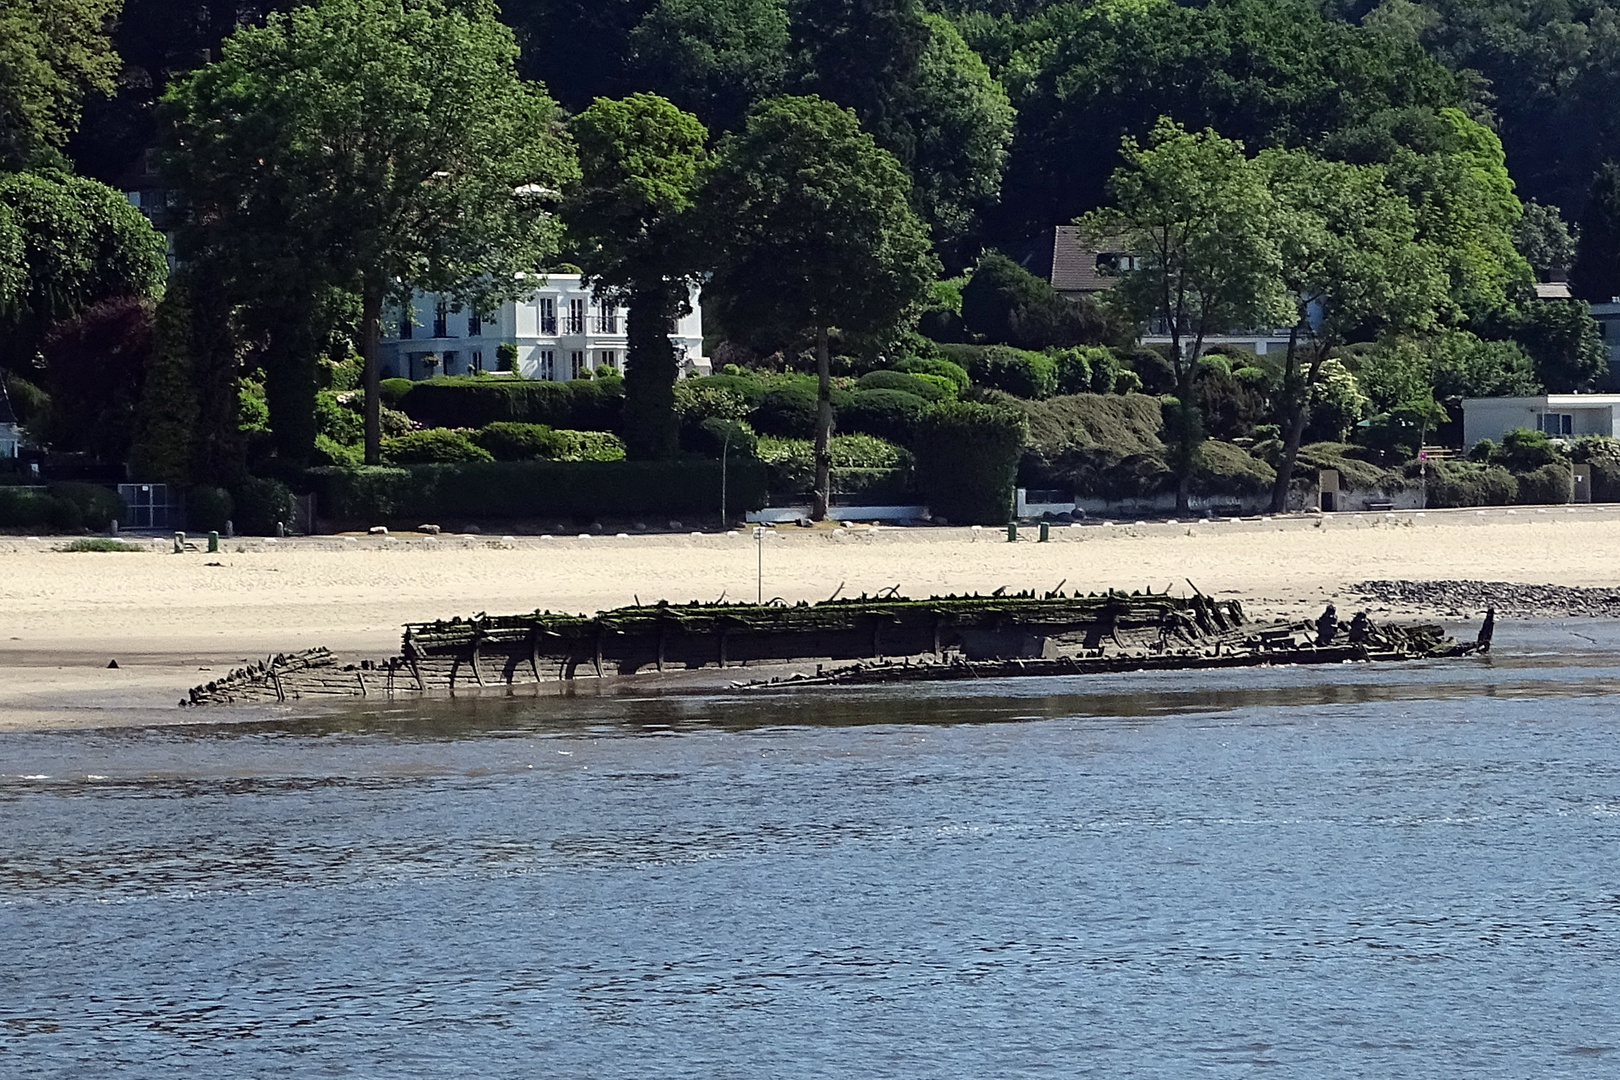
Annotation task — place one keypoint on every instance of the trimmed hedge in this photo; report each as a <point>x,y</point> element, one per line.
<point>888,414</point>
<point>471,402</point>
<point>1465,483</point>
<point>1551,485</point>
<point>787,410</point>
<point>208,508</point>
<point>535,489</point>
<point>1022,374</point>
<point>260,504</point>
<point>67,506</point>
<point>967,461</point>
<point>930,388</point>
<point>436,445</point>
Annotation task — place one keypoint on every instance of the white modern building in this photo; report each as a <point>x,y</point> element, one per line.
<point>1562,416</point>
<point>561,331</point>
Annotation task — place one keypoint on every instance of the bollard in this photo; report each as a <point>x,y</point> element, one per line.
<point>281,528</point>
<point>213,543</point>
<point>1046,533</point>
<point>230,529</point>
<point>112,527</point>
<point>179,543</point>
<point>1012,532</point>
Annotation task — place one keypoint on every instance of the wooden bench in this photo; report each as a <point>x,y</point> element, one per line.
<point>1380,507</point>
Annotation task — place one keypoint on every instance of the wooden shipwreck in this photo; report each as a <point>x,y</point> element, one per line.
<point>886,638</point>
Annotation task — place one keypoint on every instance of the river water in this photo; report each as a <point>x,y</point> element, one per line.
<point>1352,872</point>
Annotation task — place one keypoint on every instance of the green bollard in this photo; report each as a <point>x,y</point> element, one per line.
<point>179,543</point>
<point>1012,532</point>
<point>213,541</point>
<point>1046,532</point>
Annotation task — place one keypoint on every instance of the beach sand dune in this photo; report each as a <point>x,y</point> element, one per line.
<point>170,620</point>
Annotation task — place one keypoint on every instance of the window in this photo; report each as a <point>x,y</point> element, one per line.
<point>405,326</point>
<point>576,316</point>
<point>477,361</point>
<point>440,318</point>
<point>548,315</point>
<point>547,363</point>
<point>609,361</point>
<point>607,319</point>
<point>1556,424</point>
<point>475,324</point>
<point>576,364</point>
<point>449,359</point>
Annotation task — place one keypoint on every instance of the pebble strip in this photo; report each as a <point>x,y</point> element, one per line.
<point>1469,599</point>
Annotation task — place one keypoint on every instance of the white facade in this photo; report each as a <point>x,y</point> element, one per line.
<point>561,332</point>
<point>1559,415</point>
<point>10,440</point>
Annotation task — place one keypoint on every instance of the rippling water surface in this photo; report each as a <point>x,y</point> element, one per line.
<point>1351,872</point>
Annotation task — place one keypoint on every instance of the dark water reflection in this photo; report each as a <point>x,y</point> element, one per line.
<point>1349,872</point>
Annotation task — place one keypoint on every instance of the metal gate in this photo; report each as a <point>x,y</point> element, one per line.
<point>151,506</point>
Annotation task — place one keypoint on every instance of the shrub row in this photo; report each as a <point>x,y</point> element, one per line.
<point>534,489</point>
<point>967,461</point>
<point>67,506</point>
<point>472,402</point>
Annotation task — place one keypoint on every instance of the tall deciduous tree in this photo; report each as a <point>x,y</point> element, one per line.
<point>642,162</point>
<point>815,231</point>
<point>1596,273</point>
<point>52,54</point>
<point>80,242</point>
<point>1201,219</point>
<point>1350,261</point>
<point>376,146</point>
<point>713,58</point>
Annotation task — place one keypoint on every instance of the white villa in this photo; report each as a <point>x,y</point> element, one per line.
<point>561,332</point>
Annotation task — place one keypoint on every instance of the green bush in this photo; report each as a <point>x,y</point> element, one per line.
<point>328,451</point>
<point>468,402</point>
<point>431,447</point>
<point>787,410</point>
<point>1525,450</point>
<point>967,460</point>
<point>928,388</point>
<point>1551,484</point>
<point>720,435</point>
<point>588,446</point>
<point>505,440</point>
<point>26,508</point>
<point>260,504</point>
<point>1086,369</point>
<point>208,508</point>
<point>99,543</point>
<point>888,414</point>
<point>392,391</point>
<point>336,420</point>
<point>506,356</point>
<point>748,388</point>
<point>955,373</point>
<point>536,489</point>
<point>1466,483</point>
<point>1022,374</point>
<point>1602,454</point>
<point>85,506</point>
<point>1103,445</point>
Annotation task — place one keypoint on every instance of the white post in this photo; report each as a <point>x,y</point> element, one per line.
<point>759,563</point>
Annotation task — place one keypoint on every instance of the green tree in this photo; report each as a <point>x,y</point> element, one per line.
<point>918,89</point>
<point>372,146</point>
<point>642,163</point>
<point>52,54</point>
<point>1351,262</point>
<point>713,58</point>
<point>1545,240</point>
<point>81,242</point>
<point>1202,218</point>
<point>1596,273</point>
<point>815,231</point>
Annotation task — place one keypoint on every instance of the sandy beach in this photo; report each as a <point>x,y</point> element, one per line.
<point>171,620</point>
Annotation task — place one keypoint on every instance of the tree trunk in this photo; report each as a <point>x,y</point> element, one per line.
<point>1296,405</point>
<point>1296,431</point>
<point>650,430</point>
<point>370,331</point>
<point>824,423</point>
